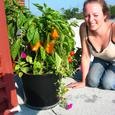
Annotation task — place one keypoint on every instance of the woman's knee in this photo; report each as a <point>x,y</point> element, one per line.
<point>95,73</point>
<point>108,84</point>
<point>108,80</point>
<point>92,82</point>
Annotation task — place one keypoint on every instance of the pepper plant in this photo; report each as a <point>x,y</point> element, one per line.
<point>40,44</point>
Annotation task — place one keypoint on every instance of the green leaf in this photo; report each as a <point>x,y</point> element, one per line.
<point>37,64</point>
<point>43,53</point>
<point>17,67</point>
<point>25,69</point>
<point>15,48</point>
<point>20,20</point>
<point>39,7</point>
<point>20,74</point>
<point>11,30</point>
<point>36,37</point>
<point>29,59</point>
<point>15,3</point>
<point>28,22</point>
<point>22,63</point>
<point>58,60</point>
<point>30,32</point>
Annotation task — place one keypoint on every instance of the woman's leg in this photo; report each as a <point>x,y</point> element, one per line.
<point>96,72</point>
<point>108,80</point>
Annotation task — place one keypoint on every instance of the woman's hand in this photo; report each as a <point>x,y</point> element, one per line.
<point>76,85</point>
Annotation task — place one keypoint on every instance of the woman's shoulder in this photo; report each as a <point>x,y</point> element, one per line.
<point>113,28</point>
<point>113,31</point>
<point>113,25</point>
<point>83,30</point>
<point>83,26</point>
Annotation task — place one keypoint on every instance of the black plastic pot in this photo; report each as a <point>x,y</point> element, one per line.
<point>41,90</point>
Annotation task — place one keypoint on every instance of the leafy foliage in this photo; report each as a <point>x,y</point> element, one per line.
<point>33,48</point>
<point>72,13</point>
<point>112,11</point>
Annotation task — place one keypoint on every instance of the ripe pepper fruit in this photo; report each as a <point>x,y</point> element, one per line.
<point>69,59</point>
<point>50,47</point>
<point>72,53</point>
<point>54,34</point>
<point>36,46</point>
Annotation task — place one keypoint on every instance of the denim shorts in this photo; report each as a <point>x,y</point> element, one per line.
<point>101,73</point>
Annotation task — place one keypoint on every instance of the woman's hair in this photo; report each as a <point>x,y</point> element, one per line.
<point>105,8</point>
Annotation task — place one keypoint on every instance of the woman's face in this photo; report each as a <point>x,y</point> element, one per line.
<point>94,16</point>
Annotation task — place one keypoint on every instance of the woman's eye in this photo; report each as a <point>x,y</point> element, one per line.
<point>95,15</point>
<point>86,16</point>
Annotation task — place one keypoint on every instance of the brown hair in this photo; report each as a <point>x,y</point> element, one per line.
<point>105,8</point>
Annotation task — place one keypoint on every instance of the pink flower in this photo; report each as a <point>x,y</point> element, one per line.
<point>23,55</point>
<point>69,106</point>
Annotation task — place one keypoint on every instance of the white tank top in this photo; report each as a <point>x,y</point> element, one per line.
<point>108,53</point>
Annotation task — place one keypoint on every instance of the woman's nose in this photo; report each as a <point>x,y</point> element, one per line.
<point>90,18</point>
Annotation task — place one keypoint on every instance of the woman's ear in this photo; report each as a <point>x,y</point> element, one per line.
<point>105,17</point>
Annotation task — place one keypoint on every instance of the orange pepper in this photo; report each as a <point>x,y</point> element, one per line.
<point>50,47</point>
<point>36,46</point>
<point>54,34</point>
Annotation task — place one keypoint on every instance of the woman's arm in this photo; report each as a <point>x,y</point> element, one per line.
<point>85,59</point>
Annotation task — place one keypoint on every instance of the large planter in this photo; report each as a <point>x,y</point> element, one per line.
<point>41,90</point>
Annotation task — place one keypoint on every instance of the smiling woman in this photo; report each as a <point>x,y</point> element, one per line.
<point>98,39</point>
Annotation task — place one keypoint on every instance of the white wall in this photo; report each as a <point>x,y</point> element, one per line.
<point>76,30</point>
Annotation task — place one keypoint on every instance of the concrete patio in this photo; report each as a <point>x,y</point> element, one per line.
<point>86,101</point>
